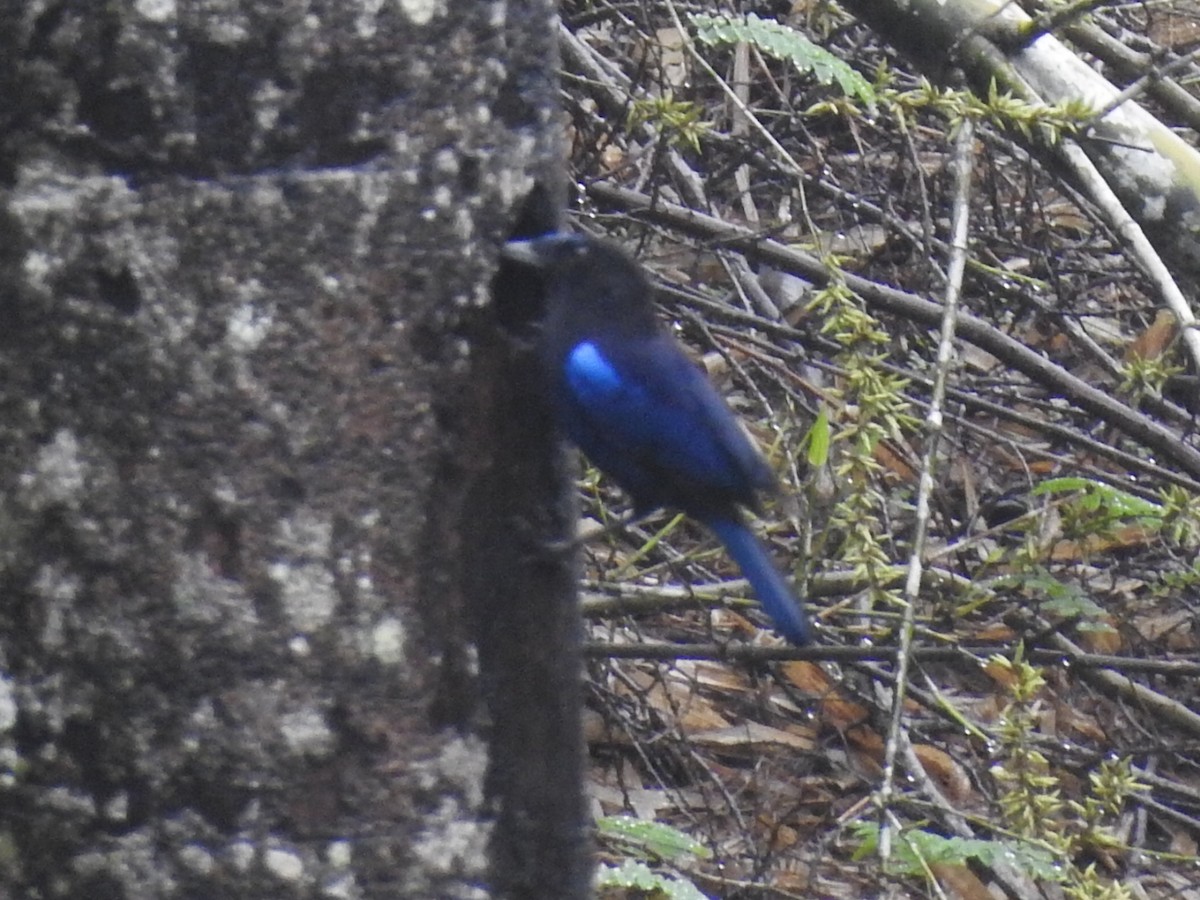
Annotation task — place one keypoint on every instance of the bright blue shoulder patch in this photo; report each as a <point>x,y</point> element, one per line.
<point>590,373</point>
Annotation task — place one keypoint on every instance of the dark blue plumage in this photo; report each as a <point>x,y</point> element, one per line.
<point>625,393</point>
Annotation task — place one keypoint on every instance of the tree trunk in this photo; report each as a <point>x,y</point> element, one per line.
<point>273,617</point>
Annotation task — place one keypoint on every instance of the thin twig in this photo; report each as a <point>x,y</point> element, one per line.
<point>963,159</point>
<point>748,653</point>
<point>1131,233</point>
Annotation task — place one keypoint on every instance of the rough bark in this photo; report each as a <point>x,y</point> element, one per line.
<point>264,459</point>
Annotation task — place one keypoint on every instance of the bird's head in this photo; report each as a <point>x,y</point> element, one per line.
<point>591,283</point>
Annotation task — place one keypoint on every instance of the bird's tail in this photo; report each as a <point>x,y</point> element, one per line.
<point>772,591</point>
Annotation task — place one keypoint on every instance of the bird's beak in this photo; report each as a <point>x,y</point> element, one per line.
<point>523,251</point>
<point>542,251</point>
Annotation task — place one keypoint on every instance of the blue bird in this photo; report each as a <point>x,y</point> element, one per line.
<point>624,392</point>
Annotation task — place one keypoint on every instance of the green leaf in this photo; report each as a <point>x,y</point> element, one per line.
<point>818,438</point>
<point>1096,495</point>
<point>653,839</point>
<point>633,873</point>
<point>916,849</point>
<point>1061,598</point>
<point>781,42</point>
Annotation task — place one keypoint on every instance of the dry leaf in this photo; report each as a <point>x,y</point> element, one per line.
<point>1070,719</point>
<point>753,734</point>
<point>1094,544</point>
<point>1154,341</point>
<point>1000,673</point>
<point>894,464</point>
<point>709,674</point>
<point>1176,627</point>
<point>612,158</point>
<point>960,882</point>
<point>809,678</point>
<point>997,632</point>
<point>673,57</point>
<point>836,711</point>
<point>1102,641</point>
<point>1182,841</point>
<point>792,876</point>
<point>680,703</point>
<point>1174,30</point>
<point>939,765</point>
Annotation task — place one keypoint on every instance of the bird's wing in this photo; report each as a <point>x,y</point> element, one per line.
<point>647,415</point>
